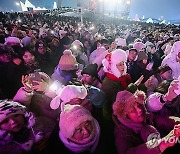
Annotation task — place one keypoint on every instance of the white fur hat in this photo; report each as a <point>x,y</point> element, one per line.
<point>13,40</point>
<point>77,43</point>
<point>112,60</point>
<point>121,42</point>
<point>67,94</point>
<point>71,118</point>
<point>138,46</point>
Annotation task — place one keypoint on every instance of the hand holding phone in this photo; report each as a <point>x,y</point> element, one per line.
<point>34,77</point>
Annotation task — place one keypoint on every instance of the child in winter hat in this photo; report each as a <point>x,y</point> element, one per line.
<point>8,108</point>
<point>74,120</point>
<point>67,61</point>
<point>18,128</point>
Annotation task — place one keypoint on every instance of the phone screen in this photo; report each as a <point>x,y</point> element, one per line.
<point>34,77</point>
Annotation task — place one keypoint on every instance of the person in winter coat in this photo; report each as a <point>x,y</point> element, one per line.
<point>20,131</point>
<point>66,69</point>
<point>162,73</point>
<point>133,134</point>
<point>36,96</point>
<point>173,60</point>
<point>164,102</point>
<point>116,78</point>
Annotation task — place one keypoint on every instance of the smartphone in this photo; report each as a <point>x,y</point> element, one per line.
<point>34,77</point>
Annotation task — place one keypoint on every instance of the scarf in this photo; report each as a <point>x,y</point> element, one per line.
<point>123,80</point>
<point>139,128</point>
<point>91,146</point>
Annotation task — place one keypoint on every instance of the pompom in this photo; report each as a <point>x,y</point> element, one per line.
<point>67,52</point>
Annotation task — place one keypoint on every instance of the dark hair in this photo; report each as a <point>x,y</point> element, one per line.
<point>104,41</point>
<point>163,86</point>
<point>24,49</point>
<point>162,69</point>
<point>133,49</point>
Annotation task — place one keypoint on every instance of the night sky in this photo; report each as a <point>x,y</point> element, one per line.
<point>167,9</point>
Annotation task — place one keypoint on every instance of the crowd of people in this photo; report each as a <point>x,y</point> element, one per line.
<point>91,87</point>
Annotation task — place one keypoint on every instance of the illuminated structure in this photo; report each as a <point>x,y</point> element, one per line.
<point>28,6</point>
<point>55,5</point>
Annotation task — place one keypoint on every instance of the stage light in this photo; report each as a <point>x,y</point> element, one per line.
<point>128,2</point>
<point>17,4</point>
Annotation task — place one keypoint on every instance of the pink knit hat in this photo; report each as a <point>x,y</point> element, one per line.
<point>71,118</point>
<point>67,61</point>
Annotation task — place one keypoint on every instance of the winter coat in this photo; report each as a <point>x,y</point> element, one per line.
<point>26,140</point>
<point>128,142</point>
<point>111,88</point>
<point>39,104</point>
<point>63,76</point>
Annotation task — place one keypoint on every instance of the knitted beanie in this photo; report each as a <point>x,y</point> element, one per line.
<point>111,60</point>
<point>142,55</point>
<point>67,61</point>
<point>71,118</point>
<point>91,69</point>
<point>9,108</point>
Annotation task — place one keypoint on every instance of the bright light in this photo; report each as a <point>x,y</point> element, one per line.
<point>128,2</point>
<point>17,4</point>
<point>52,32</point>
<point>75,47</point>
<point>56,86</point>
<point>91,28</point>
<point>19,20</point>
